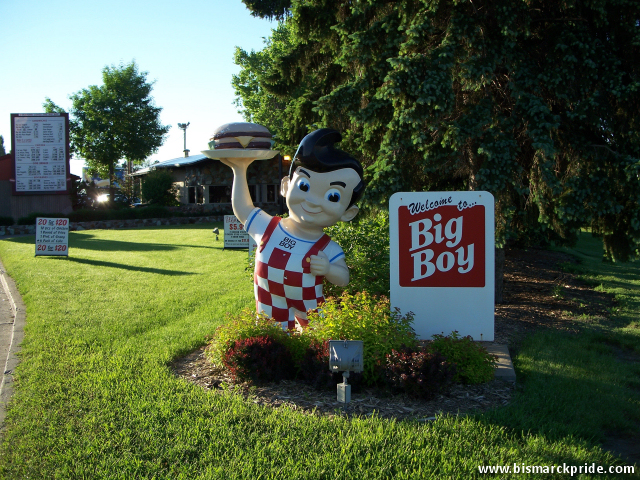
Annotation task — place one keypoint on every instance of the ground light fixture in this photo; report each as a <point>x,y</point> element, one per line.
<point>216,232</point>
<point>345,356</point>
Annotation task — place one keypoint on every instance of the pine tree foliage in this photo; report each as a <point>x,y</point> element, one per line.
<point>535,101</point>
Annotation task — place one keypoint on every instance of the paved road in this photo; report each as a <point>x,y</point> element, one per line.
<point>12,318</point>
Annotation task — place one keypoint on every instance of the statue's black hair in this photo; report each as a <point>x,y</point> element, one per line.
<point>317,152</point>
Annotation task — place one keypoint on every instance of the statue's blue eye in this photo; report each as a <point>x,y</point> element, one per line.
<point>303,185</point>
<point>333,195</point>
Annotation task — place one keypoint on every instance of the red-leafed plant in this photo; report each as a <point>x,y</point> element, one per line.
<point>314,369</point>
<point>418,373</point>
<point>259,360</point>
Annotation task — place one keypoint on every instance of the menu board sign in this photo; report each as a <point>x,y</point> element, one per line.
<point>40,144</point>
<point>234,233</point>
<point>52,236</point>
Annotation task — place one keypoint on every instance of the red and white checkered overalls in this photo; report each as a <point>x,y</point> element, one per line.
<point>283,283</point>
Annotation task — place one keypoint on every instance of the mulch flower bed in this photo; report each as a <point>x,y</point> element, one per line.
<point>537,295</point>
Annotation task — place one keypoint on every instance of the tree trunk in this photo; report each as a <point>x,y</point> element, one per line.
<point>499,277</point>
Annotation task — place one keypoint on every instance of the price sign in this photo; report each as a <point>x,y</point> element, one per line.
<point>234,234</point>
<point>52,236</point>
<point>40,144</point>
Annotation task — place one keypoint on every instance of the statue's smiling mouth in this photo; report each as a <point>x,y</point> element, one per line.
<point>312,213</point>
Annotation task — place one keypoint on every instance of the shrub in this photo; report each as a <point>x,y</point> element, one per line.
<point>473,363</point>
<point>246,325</point>
<point>365,242</point>
<point>418,373</point>
<point>314,369</point>
<point>153,211</point>
<point>367,318</point>
<point>6,221</point>
<point>259,360</point>
<point>31,218</point>
<point>101,215</point>
<point>158,188</point>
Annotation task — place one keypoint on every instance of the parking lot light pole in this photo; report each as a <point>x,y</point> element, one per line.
<point>184,126</point>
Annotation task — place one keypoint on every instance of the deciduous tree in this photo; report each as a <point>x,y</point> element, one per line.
<point>116,120</point>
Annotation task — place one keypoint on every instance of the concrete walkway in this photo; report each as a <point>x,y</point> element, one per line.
<point>12,320</point>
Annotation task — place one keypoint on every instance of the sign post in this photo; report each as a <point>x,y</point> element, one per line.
<point>40,144</point>
<point>442,261</point>
<point>52,236</point>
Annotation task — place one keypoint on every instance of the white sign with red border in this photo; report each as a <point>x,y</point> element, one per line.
<point>234,233</point>
<point>442,251</point>
<point>52,236</point>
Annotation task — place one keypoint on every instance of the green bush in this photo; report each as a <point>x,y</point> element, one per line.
<point>365,242</point>
<point>6,221</point>
<point>473,363</point>
<point>31,218</point>
<point>247,324</point>
<point>154,211</point>
<point>158,188</point>
<point>90,215</point>
<point>367,318</point>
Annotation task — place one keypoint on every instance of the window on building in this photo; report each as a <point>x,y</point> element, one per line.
<point>191,194</point>
<point>271,193</point>
<point>220,194</point>
<point>253,189</point>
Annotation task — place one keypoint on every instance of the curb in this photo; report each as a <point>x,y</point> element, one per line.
<point>504,365</point>
<point>9,349</point>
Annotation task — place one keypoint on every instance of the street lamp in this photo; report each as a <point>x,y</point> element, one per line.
<point>184,126</point>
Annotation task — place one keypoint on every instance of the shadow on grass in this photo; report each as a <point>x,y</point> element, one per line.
<point>100,263</point>
<point>86,242</point>
<point>89,242</point>
<point>583,386</point>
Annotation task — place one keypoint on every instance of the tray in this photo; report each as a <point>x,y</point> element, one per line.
<point>240,153</point>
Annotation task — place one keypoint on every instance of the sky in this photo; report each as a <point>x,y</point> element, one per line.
<point>56,48</point>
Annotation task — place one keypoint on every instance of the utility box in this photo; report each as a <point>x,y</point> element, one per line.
<point>345,355</point>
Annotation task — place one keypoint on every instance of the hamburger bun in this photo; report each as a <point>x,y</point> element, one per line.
<point>241,135</point>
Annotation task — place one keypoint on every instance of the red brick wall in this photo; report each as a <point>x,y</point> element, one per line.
<point>6,167</point>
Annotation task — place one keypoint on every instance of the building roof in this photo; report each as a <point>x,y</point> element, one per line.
<point>173,163</point>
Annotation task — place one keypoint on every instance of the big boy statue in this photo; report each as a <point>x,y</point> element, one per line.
<point>294,254</point>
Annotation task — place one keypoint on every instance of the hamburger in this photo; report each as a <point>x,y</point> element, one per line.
<point>241,135</point>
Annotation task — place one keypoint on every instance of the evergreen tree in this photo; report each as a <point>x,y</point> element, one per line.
<point>534,101</point>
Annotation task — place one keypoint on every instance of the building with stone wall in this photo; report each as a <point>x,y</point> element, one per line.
<point>203,182</point>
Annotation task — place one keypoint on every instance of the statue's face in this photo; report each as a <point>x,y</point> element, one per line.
<point>321,199</point>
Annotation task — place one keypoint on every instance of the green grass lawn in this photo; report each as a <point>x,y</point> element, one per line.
<point>95,398</point>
